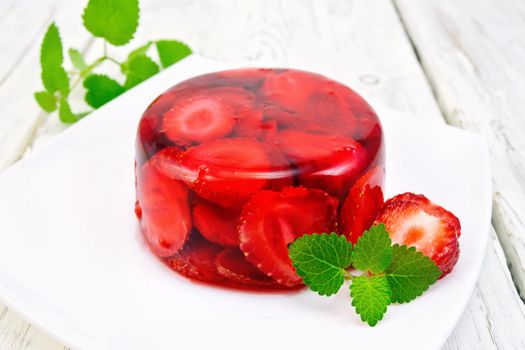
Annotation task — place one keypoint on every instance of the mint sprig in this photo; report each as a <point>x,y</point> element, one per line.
<point>371,296</point>
<point>321,261</point>
<point>101,89</point>
<point>115,22</point>
<point>410,273</point>
<point>54,76</point>
<point>373,251</point>
<point>389,273</point>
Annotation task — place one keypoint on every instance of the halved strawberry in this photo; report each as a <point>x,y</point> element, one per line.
<point>232,264</point>
<point>250,123</point>
<point>227,171</point>
<point>271,220</point>
<point>166,218</point>
<point>413,220</point>
<point>284,118</point>
<point>197,260</point>
<point>216,224</point>
<point>362,204</point>
<point>198,118</point>
<point>288,89</point>
<point>328,110</point>
<point>329,162</point>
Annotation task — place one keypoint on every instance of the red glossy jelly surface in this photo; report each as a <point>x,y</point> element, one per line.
<point>232,166</point>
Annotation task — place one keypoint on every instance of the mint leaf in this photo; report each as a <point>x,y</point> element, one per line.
<point>171,51</point>
<point>139,51</point>
<point>114,20</point>
<point>65,114</point>
<point>370,297</point>
<point>101,89</point>
<point>373,250</point>
<point>46,100</point>
<point>321,260</point>
<point>54,77</point>
<point>139,69</point>
<point>76,58</point>
<point>410,273</point>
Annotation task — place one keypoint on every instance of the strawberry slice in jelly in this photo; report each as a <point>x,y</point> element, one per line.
<point>328,110</point>
<point>329,162</point>
<point>216,224</point>
<point>282,171</point>
<point>250,123</point>
<point>226,172</point>
<point>197,260</point>
<point>198,118</point>
<point>165,214</point>
<point>272,220</point>
<point>283,96</point>
<point>248,78</point>
<point>288,89</point>
<point>362,204</point>
<point>206,115</point>
<point>232,264</point>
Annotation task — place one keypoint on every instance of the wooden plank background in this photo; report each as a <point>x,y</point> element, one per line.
<point>459,61</point>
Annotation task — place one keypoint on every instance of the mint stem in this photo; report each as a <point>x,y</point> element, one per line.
<point>92,66</point>
<point>111,59</point>
<point>348,276</point>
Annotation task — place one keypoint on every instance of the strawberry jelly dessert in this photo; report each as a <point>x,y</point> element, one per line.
<point>233,166</point>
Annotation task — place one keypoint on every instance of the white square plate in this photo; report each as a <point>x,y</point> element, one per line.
<point>72,260</point>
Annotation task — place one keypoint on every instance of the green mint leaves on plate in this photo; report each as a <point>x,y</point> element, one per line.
<point>115,22</point>
<point>321,261</point>
<point>410,273</point>
<point>389,273</point>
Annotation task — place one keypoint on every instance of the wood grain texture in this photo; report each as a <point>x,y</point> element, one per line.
<point>18,334</point>
<point>474,54</point>
<point>365,45</point>
<point>495,315</point>
<point>21,115</point>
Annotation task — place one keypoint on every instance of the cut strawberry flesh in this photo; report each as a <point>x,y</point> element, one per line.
<point>329,110</point>
<point>197,260</point>
<point>288,89</point>
<point>362,204</point>
<point>232,264</point>
<point>198,119</point>
<point>250,123</point>
<point>272,220</point>
<point>331,163</point>
<point>248,78</point>
<point>226,172</point>
<point>165,214</point>
<point>415,221</point>
<point>216,224</point>
<point>302,146</point>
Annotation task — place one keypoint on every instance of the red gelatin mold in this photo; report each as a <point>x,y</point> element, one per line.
<point>232,166</point>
